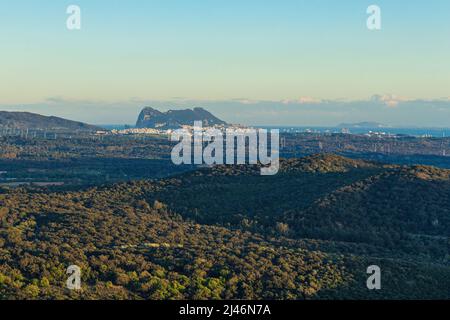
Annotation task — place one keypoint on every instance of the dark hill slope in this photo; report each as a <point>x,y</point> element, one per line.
<point>231,194</point>
<point>27,120</point>
<point>412,201</point>
<point>326,197</point>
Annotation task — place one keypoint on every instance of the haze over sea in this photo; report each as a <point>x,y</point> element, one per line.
<point>416,132</point>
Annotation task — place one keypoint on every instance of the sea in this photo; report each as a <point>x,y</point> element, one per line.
<point>415,132</point>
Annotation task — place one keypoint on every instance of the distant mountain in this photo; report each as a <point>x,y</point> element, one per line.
<point>27,120</point>
<point>173,119</point>
<point>362,125</point>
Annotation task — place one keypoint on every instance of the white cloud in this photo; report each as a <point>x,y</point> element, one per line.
<point>390,100</point>
<point>302,100</point>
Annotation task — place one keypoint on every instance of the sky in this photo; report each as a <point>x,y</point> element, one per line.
<point>284,62</point>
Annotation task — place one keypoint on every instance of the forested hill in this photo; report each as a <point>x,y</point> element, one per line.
<point>323,196</point>
<point>309,232</point>
<point>27,120</point>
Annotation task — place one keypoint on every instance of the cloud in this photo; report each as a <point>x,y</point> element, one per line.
<point>246,101</point>
<point>302,100</point>
<point>390,100</point>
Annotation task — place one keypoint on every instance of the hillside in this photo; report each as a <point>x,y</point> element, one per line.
<point>390,209</point>
<point>226,233</point>
<point>132,249</point>
<point>27,120</point>
<point>324,197</point>
<point>173,119</point>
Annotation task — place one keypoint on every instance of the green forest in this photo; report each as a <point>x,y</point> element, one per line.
<point>228,233</point>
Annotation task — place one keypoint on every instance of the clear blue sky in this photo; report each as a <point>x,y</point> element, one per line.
<point>223,50</point>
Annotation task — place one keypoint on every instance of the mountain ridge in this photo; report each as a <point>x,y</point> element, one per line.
<point>29,120</point>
